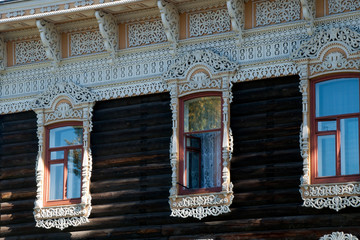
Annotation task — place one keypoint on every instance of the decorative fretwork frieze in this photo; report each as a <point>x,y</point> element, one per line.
<point>311,48</point>
<point>236,10</point>
<point>86,43</point>
<point>207,23</point>
<point>83,3</point>
<point>339,6</point>
<point>15,14</point>
<point>335,61</point>
<point>170,20</point>
<point>110,32</point>
<point>50,38</point>
<point>146,33</point>
<point>338,236</point>
<point>64,101</point>
<point>49,8</point>
<point>29,51</point>
<point>278,11</point>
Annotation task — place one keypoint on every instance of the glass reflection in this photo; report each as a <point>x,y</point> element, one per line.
<point>57,155</point>
<point>326,156</point>
<point>349,135</point>
<point>56,181</point>
<point>66,136</point>
<point>74,173</point>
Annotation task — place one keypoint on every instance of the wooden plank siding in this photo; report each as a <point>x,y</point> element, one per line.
<point>131,174</point>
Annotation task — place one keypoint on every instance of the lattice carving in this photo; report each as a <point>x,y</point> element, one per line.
<point>339,6</point>
<point>2,53</point>
<point>83,3</point>
<point>182,64</point>
<point>15,14</point>
<point>146,33</point>
<point>86,43</point>
<point>312,48</point>
<point>29,51</point>
<point>278,11</point>
<point>236,10</point>
<point>335,61</point>
<point>109,30</point>
<point>199,81</point>
<point>170,20</point>
<point>308,11</point>
<point>338,236</point>
<point>63,102</point>
<point>50,38</point>
<point>206,23</point>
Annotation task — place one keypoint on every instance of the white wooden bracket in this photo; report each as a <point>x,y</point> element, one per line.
<point>170,20</point>
<point>2,53</point>
<point>236,9</point>
<point>308,11</point>
<point>50,38</point>
<point>109,31</point>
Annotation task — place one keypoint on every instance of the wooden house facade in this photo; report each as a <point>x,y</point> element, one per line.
<point>180,119</point>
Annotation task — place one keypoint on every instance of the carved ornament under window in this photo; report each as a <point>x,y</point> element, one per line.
<point>338,236</point>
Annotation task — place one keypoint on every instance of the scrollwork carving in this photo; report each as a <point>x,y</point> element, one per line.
<point>335,61</point>
<point>170,20</point>
<point>109,30</point>
<point>2,53</point>
<point>338,6</point>
<point>50,38</point>
<point>29,51</point>
<point>338,236</point>
<point>308,11</point>
<point>236,10</point>
<point>86,42</point>
<point>146,33</point>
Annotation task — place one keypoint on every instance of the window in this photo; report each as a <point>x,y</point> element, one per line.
<point>335,130</point>
<point>63,163</point>
<point>200,143</point>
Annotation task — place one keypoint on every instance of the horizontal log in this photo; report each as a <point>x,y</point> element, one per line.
<point>19,148</point>
<point>18,172</point>
<point>17,160</point>
<point>18,194</point>
<point>278,182</point>
<point>18,205</point>
<point>11,184</point>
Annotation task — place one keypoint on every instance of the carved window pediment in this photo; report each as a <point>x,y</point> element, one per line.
<point>64,102</point>
<point>200,72</point>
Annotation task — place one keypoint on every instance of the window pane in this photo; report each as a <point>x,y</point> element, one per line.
<point>74,173</point>
<point>56,181</point>
<point>326,156</point>
<point>210,173</point>
<point>66,136</point>
<point>193,142</point>
<point>202,113</point>
<point>336,97</point>
<point>57,155</point>
<point>193,159</point>
<point>349,135</point>
<point>327,126</point>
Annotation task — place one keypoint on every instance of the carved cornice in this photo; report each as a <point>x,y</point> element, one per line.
<point>110,32</point>
<point>236,10</point>
<point>312,48</point>
<point>338,236</point>
<point>183,64</point>
<point>77,95</point>
<point>308,11</point>
<point>50,38</point>
<point>170,20</point>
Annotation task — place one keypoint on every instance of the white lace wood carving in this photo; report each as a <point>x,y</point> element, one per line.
<point>86,43</point>
<point>170,20</point>
<point>335,61</point>
<point>50,38</point>
<point>206,23</point>
<point>2,53</point>
<point>308,11</point>
<point>278,11</point>
<point>29,51</point>
<point>146,33</point>
<point>236,10</point>
<point>109,30</point>
<point>338,236</point>
<point>339,6</point>
<point>200,71</point>
<point>63,102</point>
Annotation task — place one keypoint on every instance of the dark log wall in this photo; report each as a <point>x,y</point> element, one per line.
<point>131,173</point>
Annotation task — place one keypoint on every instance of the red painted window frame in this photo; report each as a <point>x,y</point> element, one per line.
<point>182,145</point>
<point>47,202</point>
<point>314,134</point>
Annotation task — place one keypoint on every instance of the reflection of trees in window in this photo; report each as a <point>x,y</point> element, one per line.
<point>77,153</point>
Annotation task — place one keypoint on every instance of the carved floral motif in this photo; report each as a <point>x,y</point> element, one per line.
<point>86,42</point>
<point>335,61</point>
<point>63,111</point>
<point>278,11</point>
<point>338,236</point>
<point>206,23</point>
<point>29,51</point>
<point>339,6</point>
<point>146,33</point>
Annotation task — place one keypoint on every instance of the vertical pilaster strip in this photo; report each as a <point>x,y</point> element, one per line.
<point>174,105</point>
<point>170,20</point>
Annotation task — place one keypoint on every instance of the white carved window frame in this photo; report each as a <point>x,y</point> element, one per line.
<point>330,52</point>
<point>63,102</point>
<point>200,71</point>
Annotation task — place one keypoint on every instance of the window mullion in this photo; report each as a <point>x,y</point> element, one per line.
<point>65,172</point>
<point>338,148</point>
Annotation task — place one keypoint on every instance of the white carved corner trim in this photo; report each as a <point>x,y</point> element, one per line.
<point>184,63</point>
<point>312,48</point>
<point>338,236</point>
<point>63,102</point>
<point>170,20</point>
<point>2,53</point>
<point>109,31</point>
<point>50,39</point>
<point>308,11</point>
<point>236,9</point>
